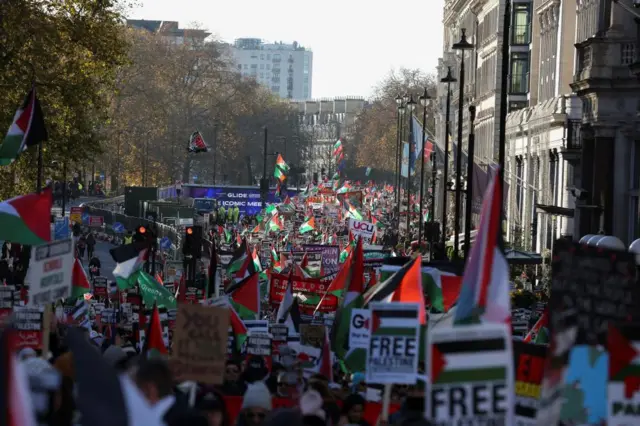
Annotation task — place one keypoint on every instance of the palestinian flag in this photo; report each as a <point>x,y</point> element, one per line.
<point>239,328</point>
<point>442,288</point>
<point>540,331</point>
<point>196,143</point>
<point>153,342</point>
<point>289,311</point>
<point>245,296</point>
<point>239,258</point>
<point>308,226</point>
<point>280,164</point>
<point>623,345</point>
<point>129,260</point>
<point>275,224</point>
<point>325,366</point>
<point>79,281</point>
<point>403,286</point>
<point>337,147</point>
<point>27,129</point>
<point>27,219</point>
<point>455,362</point>
<point>279,174</point>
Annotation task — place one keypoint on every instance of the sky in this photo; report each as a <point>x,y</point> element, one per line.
<point>355,43</point>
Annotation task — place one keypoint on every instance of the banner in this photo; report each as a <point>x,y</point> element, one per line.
<point>624,383</point>
<point>259,344</point>
<point>316,286</point>
<point>392,356</point>
<point>470,375</point>
<point>365,230</point>
<point>248,199</point>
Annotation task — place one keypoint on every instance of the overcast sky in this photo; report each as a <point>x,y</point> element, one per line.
<point>355,43</point>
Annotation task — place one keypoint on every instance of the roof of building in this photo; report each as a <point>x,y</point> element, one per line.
<point>167,27</point>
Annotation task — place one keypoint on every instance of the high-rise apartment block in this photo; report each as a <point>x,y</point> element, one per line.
<point>286,69</point>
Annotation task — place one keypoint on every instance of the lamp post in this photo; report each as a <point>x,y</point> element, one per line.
<point>398,126</point>
<point>463,45</point>
<point>502,141</point>
<point>425,101</point>
<point>448,79</point>
<point>434,174</point>
<point>470,163</point>
<point>411,105</point>
<point>401,109</point>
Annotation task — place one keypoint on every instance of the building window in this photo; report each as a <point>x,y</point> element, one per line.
<point>246,66</point>
<point>516,105</point>
<point>239,66</point>
<point>261,66</point>
<point>628,54</point>
<point>268,66</point>
<point>519,73</point>
<point>262,56</point>
<point>521,34</point>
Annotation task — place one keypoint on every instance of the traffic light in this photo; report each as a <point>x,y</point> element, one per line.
<point>141,234</point>
<point>192,244</point>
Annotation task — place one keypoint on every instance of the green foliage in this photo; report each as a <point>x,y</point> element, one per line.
<point>71,49</point>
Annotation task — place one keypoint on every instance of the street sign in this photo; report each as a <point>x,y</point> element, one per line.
<point>118,228</point>
<point>61,228</point>
<point>49,273</point>
<point>85,217</point>
<point>96,221</point>
<point>165,243</point>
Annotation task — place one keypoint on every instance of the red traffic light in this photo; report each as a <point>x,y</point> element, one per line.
<point>189,231</point>
<point>142,230</point>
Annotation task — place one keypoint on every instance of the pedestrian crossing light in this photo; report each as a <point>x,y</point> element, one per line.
<point>189,231</point>
<point>142,230</point>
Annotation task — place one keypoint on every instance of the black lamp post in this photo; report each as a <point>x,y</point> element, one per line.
<point>401,109</point>
<point>448,79</point>
<point>425,101</point>
<point>398,137</point>
<point>467,213</point>
<point>411,105</point>
<point>463,45</point>
<point>434,174</point>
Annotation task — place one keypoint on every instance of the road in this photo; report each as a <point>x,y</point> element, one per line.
<point>106,261</point>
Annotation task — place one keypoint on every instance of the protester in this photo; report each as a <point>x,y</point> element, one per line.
<point>256,404</point>
<point>211,404</point>
<point>353,409</point>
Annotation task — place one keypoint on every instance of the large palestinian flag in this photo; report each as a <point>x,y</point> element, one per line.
<point>27,219</point>
<point>27,129</point>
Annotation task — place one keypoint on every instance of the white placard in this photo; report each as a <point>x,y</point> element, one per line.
<point>50,272</point>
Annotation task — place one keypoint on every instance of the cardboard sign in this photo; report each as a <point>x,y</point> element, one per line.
<point>330,256</point>
<point>312,335</point>
<point>50,270</point>
<point>359,333</point>
<point>199,351</point>
<point>392,355</point>
<point>528,360</point>
<point>365,230</point>
<point>599,284</point>
<point>257,326</point>
<point>471,375</point>
<point>259,344</point>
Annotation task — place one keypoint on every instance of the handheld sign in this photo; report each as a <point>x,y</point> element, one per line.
<point>359,329</point>
<point>392,355</point>
<point>49,274</point>
<point>471,375</point>
<point>528,360</point>
<point>199,352</point>
<point>623,389</point>
<point>259,344</point>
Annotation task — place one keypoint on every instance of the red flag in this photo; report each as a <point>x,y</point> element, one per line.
<point>154,340</point>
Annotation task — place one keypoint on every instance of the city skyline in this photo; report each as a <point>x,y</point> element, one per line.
<point>350,57</point>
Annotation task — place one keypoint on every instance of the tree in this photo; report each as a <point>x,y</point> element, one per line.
<point>376,126</point>
<point>167,92</point>
<point>71,50</point>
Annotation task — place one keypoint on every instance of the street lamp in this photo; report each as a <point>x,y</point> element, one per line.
<point>463,45</point>
<point>401,109</point>
<point>470,163</point>
<point>425,101</point>
<point>448,79</point>
<point>398,137</point>
<point>411,105</point>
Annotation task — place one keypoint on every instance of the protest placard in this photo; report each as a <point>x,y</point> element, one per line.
<point>359,332</point>
<point>199,348</point>
<point>259,344</point>
<point>623,397</point>
<point>528,360</point>
<point>362,229</point>
<point>280,332</point>
<point>29,325</point>
<point>49,273</point>
<point>312,335</point>
<point>471,375</point>
<point>392,355</point>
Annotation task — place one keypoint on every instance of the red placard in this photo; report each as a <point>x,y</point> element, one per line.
<point>96,221</point>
